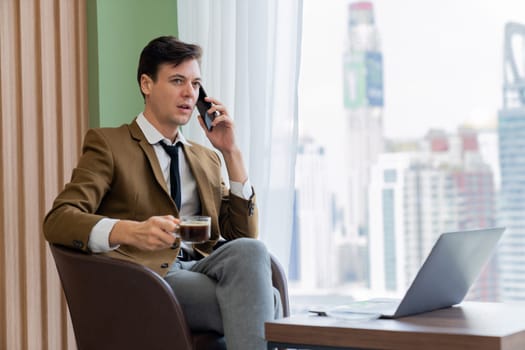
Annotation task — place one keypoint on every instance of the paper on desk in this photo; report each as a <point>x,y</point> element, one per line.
<point>343,314</point>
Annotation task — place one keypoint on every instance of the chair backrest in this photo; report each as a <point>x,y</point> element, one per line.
<point>102,296</point>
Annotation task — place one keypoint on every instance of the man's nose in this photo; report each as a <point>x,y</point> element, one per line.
<point>190,91</point>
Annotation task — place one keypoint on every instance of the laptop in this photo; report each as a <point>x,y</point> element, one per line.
<point>443,280</point>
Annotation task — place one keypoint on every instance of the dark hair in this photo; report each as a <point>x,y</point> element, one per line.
<point>165,49</point>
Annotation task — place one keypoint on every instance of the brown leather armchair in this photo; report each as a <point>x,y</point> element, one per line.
<point>115,304</point>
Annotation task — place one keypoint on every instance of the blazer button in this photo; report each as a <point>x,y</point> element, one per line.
<point>78,244</point>
<point>165,265</point>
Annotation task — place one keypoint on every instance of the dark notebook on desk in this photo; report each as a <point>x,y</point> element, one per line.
<point>443,280</point>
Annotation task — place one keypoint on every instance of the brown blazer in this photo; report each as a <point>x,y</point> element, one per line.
<point>119,176</point>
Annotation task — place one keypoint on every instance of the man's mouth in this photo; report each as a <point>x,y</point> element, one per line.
<point>185,106</point>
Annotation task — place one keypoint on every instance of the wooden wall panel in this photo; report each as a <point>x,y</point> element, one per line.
<point>43,116</point>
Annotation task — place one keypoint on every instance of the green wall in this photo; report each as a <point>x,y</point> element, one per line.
<point>117,32</point>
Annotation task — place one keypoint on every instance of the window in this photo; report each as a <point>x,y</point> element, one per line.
<point>418,137</point>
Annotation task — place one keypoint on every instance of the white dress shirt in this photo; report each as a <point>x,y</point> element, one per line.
<point>190,201</point>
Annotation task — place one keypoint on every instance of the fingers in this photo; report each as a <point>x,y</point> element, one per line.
<point>166,226</point>
<point>217,106</point>
<point>156,233</point>
<point>221,118</point>
<point>168,223</point>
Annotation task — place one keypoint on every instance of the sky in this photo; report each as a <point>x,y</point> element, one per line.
<point>442,61</point>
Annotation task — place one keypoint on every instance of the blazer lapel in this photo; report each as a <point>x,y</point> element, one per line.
<point>137,134</point>
<point>203,184</point>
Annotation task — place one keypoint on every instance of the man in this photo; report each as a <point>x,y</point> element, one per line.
<point>118,202</point>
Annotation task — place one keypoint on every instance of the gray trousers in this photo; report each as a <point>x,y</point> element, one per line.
<point>229,292</point>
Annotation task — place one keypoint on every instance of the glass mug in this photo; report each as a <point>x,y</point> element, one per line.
<point>194,229</point>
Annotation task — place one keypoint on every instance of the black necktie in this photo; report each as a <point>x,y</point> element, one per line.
<point>173,152</point>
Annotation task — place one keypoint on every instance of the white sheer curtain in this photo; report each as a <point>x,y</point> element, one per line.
<point>251,63</point>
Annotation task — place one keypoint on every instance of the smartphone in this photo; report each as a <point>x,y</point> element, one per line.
<point>203,107</point>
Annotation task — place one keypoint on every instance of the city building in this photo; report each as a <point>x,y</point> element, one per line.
<point>313,263</point>
<point>444,186</point>
<point>511,129</point>
<point>363,103</point>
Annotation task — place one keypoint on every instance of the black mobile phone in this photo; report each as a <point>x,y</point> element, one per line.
<point>203,107</point>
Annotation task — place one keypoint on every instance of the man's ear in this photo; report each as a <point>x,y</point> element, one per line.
<point>145,84</point>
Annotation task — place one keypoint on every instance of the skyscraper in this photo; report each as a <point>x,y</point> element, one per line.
<point>363,102</point>
<point>511,129</point>
<point>314,236</point>
<point>444,186</point>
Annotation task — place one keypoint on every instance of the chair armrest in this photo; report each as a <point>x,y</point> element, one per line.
<point>279,282</point>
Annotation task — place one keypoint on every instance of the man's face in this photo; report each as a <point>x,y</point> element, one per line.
<point>171,98</point>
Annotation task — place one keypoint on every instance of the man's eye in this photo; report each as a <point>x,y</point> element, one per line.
<point>177,81</point>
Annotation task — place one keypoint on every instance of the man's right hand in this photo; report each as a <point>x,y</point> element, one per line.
<point>153,234</point>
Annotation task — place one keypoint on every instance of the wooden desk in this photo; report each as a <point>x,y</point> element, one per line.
<point>471,325</point>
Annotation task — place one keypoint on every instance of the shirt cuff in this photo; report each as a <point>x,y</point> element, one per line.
<point>99,236</point>
<point>243,191</point>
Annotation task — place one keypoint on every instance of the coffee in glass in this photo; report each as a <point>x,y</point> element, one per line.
<point>194,229</point>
